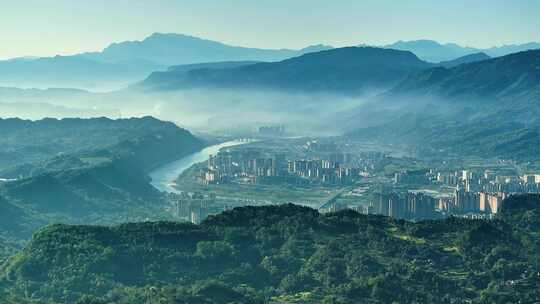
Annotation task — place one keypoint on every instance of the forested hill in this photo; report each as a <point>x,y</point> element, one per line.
<point>514,76</point>
<point>287,254</point>
<point>97,185</point>
<point>71,181</point>
<point>487,108</point>
<point>25,141</point>
<point>343,71</point>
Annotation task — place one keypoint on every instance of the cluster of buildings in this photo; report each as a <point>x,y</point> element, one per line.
<point>254,166</point>
<point>475,192</point>
<point>193,207</point>
<point>419,177</point>
<point>419,205</point>
<point>272,131</point>
<point>324,171</point>
<point>489,181</point>
<point>318,146</point>
<point>483,192</point>
<point>464,202</point>
<point>248,163</point>
<point>410,205</point>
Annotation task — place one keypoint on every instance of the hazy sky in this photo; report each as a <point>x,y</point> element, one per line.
<point>49,27</point>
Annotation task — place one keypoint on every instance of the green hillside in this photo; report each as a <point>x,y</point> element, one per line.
<point>104,185</point>
<point>24,142</point>
<point>287,254</point>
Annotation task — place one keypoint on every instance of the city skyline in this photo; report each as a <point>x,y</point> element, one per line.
<point>61,27</point>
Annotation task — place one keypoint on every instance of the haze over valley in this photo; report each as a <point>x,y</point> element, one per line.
<point>286,152</point>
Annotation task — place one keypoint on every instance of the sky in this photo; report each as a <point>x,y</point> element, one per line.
<point>51,27</point>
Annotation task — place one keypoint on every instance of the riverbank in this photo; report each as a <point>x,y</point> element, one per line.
<point>164,177</point>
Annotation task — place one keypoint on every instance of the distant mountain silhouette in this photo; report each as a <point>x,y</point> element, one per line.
<point>177,49</point>
<point>72,71</point>
<point>434,51</point>
<point>464,59</point>
<point>127,62</point>
<point>512,76</point>
<point>512,48</point>
<point>343,70</point>
<point>175,76</point>
<point>316,48</point>
<point>486,108</point>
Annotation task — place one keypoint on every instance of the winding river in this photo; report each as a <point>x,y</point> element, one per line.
<point>163,177</point>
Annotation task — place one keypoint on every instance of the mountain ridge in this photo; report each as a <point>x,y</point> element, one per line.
<point>487,108</point>
<point>233,256</point>
<point>342,70</point>
<point>514,75</point>
<point>464,59</point>
<point>436,52</point>
<point>175,49</point>
<point>124,63</point>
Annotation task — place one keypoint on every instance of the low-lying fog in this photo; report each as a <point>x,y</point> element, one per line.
<point>222,111</point>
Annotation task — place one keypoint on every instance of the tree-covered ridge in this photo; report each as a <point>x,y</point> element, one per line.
<point>511,76</point>
<point>508,133</point>
<point>103,184</point>
<point>98,184</point>
<point>36,142</point>
<point>487,108</point>
<point>348,70</point>
<point>287,254</point>
<point>16,226</point>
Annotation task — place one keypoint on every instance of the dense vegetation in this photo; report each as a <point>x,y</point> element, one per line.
<point>461,133</point>
<point>513,76</point>
<point>24,141</point>
<point>486,108</point>
<point>16,225</point>
<point>287,254</point>
<point>104,184</point>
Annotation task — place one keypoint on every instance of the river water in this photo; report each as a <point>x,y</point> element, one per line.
<point>163,177</point>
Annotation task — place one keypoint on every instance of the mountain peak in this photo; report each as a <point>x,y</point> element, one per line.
<point>420,42</point>
<point>432,50</point>
<point>316,48</point>
<point>174,37</point>
<point>508,77</point>
<point>465,59</point>
<point>345,70</point>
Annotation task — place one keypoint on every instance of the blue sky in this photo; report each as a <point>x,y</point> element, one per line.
<point>49,27</point>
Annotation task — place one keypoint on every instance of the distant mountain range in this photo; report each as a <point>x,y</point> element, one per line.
<point>177,49</point>
<point>73,72</point>
<point>123,63</point>
<point>487,108</point>
<point>464,59</point>
<point>434,51</point>
<point>341,70</point>
<point>177,76</point>
<point>512,76</point>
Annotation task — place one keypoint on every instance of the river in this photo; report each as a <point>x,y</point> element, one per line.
<point>163,178</point>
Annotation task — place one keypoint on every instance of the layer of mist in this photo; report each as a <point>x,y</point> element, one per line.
<point>217,111</point>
